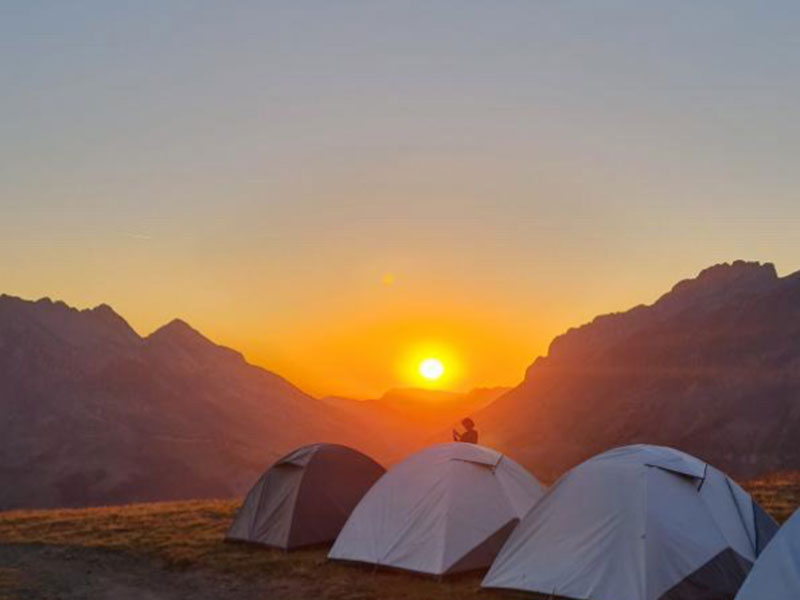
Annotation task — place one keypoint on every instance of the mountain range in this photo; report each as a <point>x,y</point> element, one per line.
<point>410,418</point>
<point>712,367</point>
<point>93,413</point>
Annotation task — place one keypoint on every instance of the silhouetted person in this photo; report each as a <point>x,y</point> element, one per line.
<point>469,436</point>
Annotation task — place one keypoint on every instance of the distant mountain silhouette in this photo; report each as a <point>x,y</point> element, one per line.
<point>411,418</point>
<point>712,367</point>
<point>94,414</point>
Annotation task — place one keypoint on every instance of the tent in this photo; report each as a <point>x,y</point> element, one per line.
<point>305,497</point>
<point>443,510</point>
<point>776,574</point>
<point>636,523</point>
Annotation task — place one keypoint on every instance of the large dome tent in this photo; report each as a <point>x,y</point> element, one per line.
<point>443,510</point>
<point>636,523</point>
<point>305,497</point>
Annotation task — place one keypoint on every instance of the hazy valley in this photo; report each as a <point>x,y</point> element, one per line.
<point>96,414</point>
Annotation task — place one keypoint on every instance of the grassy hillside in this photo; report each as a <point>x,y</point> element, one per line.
<point>175,550</point>
<point>182,544</point>
<point>778,493</point>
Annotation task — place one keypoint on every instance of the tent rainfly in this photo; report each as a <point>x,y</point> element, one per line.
<point>776,574</point>
<point>443,510</point>
<point>305,497</point>
<point>636,523</point>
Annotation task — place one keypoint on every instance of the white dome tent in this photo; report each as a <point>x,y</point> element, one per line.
<point>443,510</point>
<point>636,523</point>
<point>305,497</point>
<point>776,574</point>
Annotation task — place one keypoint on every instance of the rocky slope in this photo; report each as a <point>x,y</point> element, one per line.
<point>94,414</point>
<point>712,367</point>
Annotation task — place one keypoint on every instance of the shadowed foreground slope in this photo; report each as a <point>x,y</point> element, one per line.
<point>175,550</point>
<point>165,551</point>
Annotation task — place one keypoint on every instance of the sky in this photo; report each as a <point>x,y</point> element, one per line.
<point>341,189</point>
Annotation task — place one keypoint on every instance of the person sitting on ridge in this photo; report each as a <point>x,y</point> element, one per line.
<point>470,436</point>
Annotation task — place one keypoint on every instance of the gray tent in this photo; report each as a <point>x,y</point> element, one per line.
<point>443,510</point>
<point>636,523</point>
<point>305,497</point>
<point>776,574</point>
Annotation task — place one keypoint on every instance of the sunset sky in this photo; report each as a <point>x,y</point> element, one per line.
<point>342,189</point>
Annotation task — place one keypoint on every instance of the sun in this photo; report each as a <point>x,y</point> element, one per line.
<point>431,369</point>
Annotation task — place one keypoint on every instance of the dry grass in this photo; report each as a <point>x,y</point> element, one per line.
<point>189,536</point>
<point>179,533</point>
<point>9,582</point>
<point>778,493</point>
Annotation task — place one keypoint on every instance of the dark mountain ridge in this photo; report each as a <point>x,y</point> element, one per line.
<point>95,414</point>
<point>712,367</point>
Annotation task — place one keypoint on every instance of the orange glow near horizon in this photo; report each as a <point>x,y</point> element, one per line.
<point>355,333</point>
<point>364,357</point>
<point>362,199</point>
<point>356,340</point>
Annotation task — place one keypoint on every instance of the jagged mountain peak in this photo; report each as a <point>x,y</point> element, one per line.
<point>725,279</point>
<point>104,313</point>
<point>712,288</point>
<point>710,368</point>
<point>739,268</point>
<point>103,310</point>
<point>177,329</point>
<point>90,326</point>
<point>181,339</point>
<point>125,419</point>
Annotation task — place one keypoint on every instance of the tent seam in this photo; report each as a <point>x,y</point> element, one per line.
<point>645,521</point>
<point>448,492</point>
<point>296,494</point>
<point>742,518</point>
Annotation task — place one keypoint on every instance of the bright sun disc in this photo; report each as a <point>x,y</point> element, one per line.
<point>431,368</point>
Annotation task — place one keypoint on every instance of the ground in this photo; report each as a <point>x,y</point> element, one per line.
<point>174,550</point>
<point>778,493</point>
